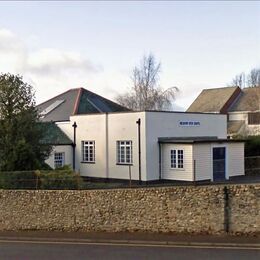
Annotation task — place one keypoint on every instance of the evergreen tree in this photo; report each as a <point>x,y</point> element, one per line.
<point>20,130</point>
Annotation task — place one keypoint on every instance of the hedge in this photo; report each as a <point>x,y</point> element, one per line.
<point>63,178</point>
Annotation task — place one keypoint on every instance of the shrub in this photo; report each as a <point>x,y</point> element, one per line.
<point>252,146</point>
<point>18,180</point>
<point>62,178</point>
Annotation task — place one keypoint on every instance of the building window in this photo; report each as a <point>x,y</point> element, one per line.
<point>88,151</point>
<point>254,118</point>
<point>177,159</point>
<point>124,152</point>
<point>59,160</point>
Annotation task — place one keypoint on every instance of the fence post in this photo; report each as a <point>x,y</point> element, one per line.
<point>77,176</point>
<point>37,180</point>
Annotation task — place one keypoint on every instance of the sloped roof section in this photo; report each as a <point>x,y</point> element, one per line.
<point>92,103</point>
<point>216,100</point>
<point>249,100</point>
<point>74,102</point>
<point>53,135</point>
<point>63,111</point>
<point>233,127</point>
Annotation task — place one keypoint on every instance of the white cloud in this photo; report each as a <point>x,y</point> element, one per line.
<point>52,71</point>
<point>8,41</point>
<point>12,52</point>
<point>49,70</point>
<point>48,61</point>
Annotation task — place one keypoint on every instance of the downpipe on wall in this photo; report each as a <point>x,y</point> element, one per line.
<point>74,145</point>
<point>138,122</point>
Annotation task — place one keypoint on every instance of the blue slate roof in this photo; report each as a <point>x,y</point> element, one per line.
<point>74,102</point>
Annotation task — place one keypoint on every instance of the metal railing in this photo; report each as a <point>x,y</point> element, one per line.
<point>40,180</point>
<point>68,180</point>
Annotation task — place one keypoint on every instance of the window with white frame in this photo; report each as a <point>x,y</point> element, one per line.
<point>88,151</point>
<point>59,160</point>
<point>124,152</point>
<point>177,159</point>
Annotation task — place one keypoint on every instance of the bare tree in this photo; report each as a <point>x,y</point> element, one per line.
<point>146,93</point>
<point>253,78</point>
<point>239,81</point>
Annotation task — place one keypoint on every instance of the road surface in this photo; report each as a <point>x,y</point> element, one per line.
<point>25,249</point>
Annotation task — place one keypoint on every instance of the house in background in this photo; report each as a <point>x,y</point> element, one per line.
<point>242,107</point>
<point>101,139</point>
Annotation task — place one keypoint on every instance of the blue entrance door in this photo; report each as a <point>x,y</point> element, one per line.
<point>219,163</point>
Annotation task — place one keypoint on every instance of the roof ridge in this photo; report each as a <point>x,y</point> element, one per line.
<point>103,98</point>
<point>53,97</point>
<point>76,105</point>
<point>221,88</point>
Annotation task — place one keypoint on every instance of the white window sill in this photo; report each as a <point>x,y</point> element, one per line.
<point>177,169</point>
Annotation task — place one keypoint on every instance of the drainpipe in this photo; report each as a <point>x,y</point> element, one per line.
<point>107,148</point>
<point>74,145</point>
<point>160,161</point>
<point>194,171</point>
<point>139,149</point>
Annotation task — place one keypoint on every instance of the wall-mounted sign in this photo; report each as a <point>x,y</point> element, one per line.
<point>189,123</point>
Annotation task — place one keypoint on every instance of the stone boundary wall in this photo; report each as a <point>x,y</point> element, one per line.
<point>163,209</point>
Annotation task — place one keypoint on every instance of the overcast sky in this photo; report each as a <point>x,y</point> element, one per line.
<point>62,45</point>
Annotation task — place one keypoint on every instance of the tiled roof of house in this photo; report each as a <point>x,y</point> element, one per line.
<point>249,100</point>
<point>53,135</point>
<point>74,102</point>
<point>214,100</point>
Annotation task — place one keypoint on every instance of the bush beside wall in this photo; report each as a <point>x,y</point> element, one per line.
<point>18,180</point>
<point>63,178</point>
<point>252,146</point>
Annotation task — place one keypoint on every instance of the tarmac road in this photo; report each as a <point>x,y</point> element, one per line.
<point>43,249</point>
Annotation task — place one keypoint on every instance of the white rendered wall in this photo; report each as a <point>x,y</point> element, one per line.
<point>237,116</point>
<point>203,161</point>
<point>162,124</point>
<point>67,149</point>
<point>122,126</point>
<point>91,128</point>
<point>185,174</point>
<point>67,128</point>
<point>248,129</point>
<point>203,155</point>
<point>236,159</point>
<point>106,130</point>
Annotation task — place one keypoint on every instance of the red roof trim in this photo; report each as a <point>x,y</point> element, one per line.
<point>230,101</point>
<point>76,105</point>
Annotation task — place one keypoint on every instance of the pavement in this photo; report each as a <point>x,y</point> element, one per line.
<point>133,238</point>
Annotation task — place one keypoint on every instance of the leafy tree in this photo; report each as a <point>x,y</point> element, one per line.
<point>20,131</point>
<point>146,93</point>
